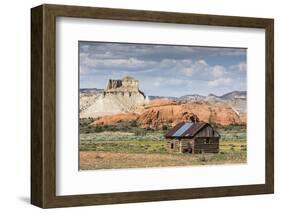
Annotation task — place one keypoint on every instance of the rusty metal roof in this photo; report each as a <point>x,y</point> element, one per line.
<point>185,129</point>
<point>182,129</point>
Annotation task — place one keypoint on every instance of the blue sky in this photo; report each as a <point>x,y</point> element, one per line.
<point>164,70</point>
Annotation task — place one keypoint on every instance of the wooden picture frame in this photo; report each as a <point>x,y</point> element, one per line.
<point>43,105</point>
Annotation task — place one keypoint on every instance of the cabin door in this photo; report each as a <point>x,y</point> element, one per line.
<point>188,148</point>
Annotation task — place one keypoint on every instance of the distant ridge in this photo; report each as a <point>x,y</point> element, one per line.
<point>91,90</point>
<point>153,97</point>
<point>234,94</point>
<point>226,96</point>
<point>123,95</point>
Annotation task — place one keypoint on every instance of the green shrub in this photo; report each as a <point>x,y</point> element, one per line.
<point>134,123</point>
<point>98,129</point>
<point>164,127</point>
<point>140,132</point>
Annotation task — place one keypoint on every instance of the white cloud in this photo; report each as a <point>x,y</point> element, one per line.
<point>220,82</point>
<point>202,69</point>
<point>202,62</point>
<point>241,67</point>
<point>130,63</point>
<point>168,82</point>
<point>83,70</point>
<point>187,71</point>
<point>194,67</point>
<point>157,82</point>
<point>218,71</point>
<point>161,67</point>
<point>226,51</point>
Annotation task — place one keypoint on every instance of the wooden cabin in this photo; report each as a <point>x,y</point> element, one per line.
<point>197,137</point>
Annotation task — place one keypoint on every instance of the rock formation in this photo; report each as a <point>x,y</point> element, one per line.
<point>122,101</point>
<point>160,113</point>
<point>119,96</point>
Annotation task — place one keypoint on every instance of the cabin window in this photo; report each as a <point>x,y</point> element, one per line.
<point>172,145</point>
<point>207,141</point>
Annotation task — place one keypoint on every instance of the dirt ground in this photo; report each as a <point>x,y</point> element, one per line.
<point>107,160</point>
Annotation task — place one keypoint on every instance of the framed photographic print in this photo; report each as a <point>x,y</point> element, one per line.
<point>136,106</point>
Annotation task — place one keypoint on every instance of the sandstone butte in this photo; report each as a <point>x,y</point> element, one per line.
<point>160,112</point>
<point>119,96</point>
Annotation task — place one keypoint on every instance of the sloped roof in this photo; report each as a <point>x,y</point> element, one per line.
<point>185,129</point>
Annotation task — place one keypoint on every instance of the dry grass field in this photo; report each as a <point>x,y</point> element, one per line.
<point>109,160</point>
<point>136,149</point>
